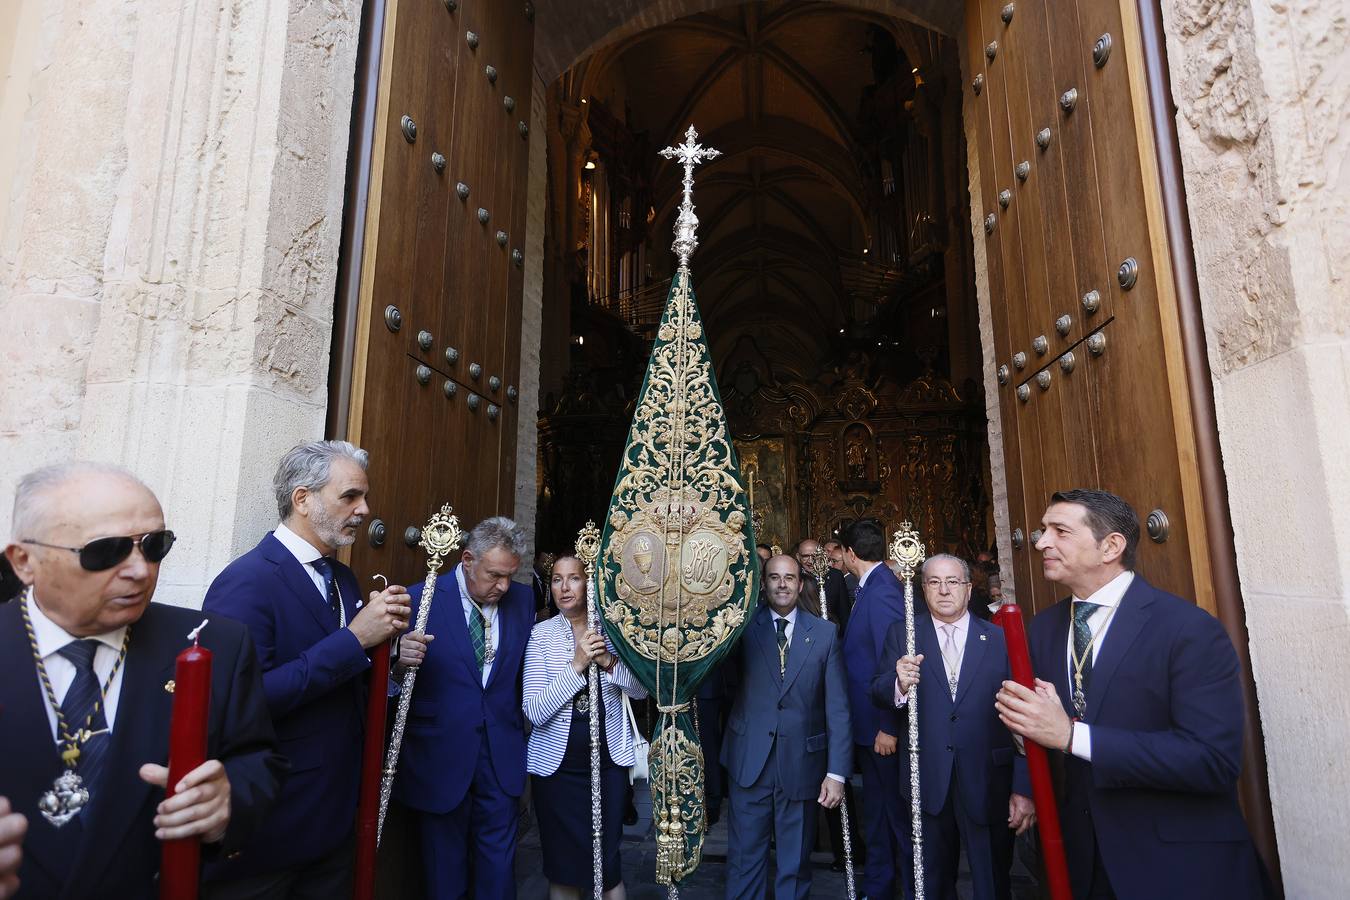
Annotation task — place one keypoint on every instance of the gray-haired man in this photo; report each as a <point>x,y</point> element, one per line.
<point>463,761</point>
<point>304,610</point>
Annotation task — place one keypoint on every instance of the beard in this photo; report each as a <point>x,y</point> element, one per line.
<point>329,527</point>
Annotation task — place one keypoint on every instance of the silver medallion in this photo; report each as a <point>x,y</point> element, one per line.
<point>582,704</point>
<point>951,684</point>
<point>65,800</point>
<point>1079,702</point>
<point>489,654</point>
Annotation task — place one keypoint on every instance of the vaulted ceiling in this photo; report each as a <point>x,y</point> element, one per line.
<point>778,88</point>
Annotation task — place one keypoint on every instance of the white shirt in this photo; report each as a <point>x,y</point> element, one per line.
<point>305,553</point>
<point>490,617</point>
<point>962,626</point>
<point>61,671</point>
<point>1107,597</point>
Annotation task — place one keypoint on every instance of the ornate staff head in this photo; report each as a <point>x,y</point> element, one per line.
<point>690,154</point>
<point>907,550</point>
<point>440,537</point>
<point>820,561</point>
<point>588,546</point>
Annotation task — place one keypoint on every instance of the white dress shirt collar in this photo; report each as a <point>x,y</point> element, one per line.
<point>1111,593</point>
<point>300,548</point>
<point>52,637</point>
<point>862,579</point>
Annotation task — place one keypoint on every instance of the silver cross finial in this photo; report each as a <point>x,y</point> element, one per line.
<point>689,154</point>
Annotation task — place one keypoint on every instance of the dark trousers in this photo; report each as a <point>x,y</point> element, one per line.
<point>988,849</point>
<point>326,877</point>
<point>885,824</point>
<point>755,813</point>
<point>471,850</point>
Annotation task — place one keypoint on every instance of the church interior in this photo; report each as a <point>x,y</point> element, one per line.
<point>835,270</point>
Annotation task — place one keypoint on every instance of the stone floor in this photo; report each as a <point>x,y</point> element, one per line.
<point>709,881</point>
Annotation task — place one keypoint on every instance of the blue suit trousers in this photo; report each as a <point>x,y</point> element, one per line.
<point>471,850</point>
<point>754,812</point>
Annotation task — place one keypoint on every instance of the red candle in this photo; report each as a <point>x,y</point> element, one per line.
<point>372,757</point>
<point>180,863</point>
<point>1009,617</point>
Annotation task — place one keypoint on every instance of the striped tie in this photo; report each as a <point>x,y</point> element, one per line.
<point>84,703</point>
<point>476,636</point>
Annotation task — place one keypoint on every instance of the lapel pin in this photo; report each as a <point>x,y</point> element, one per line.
<point>983,637</point>
<point>169,686</point>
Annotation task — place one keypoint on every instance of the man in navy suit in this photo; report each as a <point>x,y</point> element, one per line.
<point>463,760</point>
<point>303,608</point>
<point>788,743</point>
<point>878,604</point>
<point>973,784</point>
<point>86,669</point>
<point>1140,691</point>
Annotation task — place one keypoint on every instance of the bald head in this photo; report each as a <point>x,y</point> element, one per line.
<point>67,507</point>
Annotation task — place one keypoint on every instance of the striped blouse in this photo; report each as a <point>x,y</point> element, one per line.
<point>550,685</point>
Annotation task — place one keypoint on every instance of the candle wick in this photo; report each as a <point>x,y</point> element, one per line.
<point>196,632</point>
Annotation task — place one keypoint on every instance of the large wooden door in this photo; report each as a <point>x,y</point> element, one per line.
<point>1092,384</point>
<point>437,354</point>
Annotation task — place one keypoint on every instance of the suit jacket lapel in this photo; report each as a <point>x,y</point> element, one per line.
<point>798,650</point>
<point>140,735</point>
<point>762,631</point>
<point>1128,621</point>
<point>306,594</point>
<point>454,613</point>
<point>971,658</point>
<point>26,746</point>
<point>928,642</point>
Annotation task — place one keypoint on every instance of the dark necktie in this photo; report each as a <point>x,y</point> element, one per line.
<point>781,624</point>
<point>324,566</point>
<point>1082,641</point>
<point>477,636</point>
<point>83,709</point>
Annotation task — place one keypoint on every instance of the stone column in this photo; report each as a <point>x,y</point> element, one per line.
<point>169,252</point>
<point>1263,98</point>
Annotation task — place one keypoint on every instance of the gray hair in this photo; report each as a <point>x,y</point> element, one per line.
<point>309,466</point>
<point>937,557</point>
<point>498,531</point>
<point>32,496</point>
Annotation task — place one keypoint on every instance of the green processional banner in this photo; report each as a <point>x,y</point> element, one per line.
<point>678,574</point>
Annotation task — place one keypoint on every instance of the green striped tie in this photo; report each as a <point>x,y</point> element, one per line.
<point>476,635</point>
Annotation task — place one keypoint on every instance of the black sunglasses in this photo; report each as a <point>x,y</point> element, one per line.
<point>104,553</point>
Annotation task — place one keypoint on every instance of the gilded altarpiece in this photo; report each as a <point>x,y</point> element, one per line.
<point>767,464</point>
<point>860,447</point>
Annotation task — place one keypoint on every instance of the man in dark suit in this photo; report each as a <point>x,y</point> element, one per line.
<point>1140,691</point>
<point>879,604</point>
<point>86,669</point>
<point>463,762</point>
<point>973,785</point>
<point>303,608</point>
<point>788,744</point>
<point>837,595</point>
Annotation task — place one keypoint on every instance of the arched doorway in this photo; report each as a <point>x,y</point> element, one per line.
<point>1081,378</point>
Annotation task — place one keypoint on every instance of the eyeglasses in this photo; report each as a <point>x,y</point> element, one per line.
<point>104,553</point>
<point>950,583</point>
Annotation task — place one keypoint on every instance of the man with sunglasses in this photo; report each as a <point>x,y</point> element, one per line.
<point>313,633</point>
<point>86,668</point>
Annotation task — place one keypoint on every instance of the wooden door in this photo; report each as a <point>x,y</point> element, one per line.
<point>437,357</point>
<point>1092,387</point>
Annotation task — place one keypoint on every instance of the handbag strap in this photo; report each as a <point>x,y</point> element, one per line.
<point>631,717</point>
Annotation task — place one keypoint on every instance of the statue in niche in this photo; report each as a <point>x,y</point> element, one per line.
<point>859,457</point>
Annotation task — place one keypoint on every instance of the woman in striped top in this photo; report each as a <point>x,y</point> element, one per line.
<point>558,757</point>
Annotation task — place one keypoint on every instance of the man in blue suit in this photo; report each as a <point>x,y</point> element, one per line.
<point>463,761</point>
<point>973,785</point>
<point>788,743</point>
<point>86,669</point>
<point>1140,691</point>
<point>303,608</point>
<point>878,604</point>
